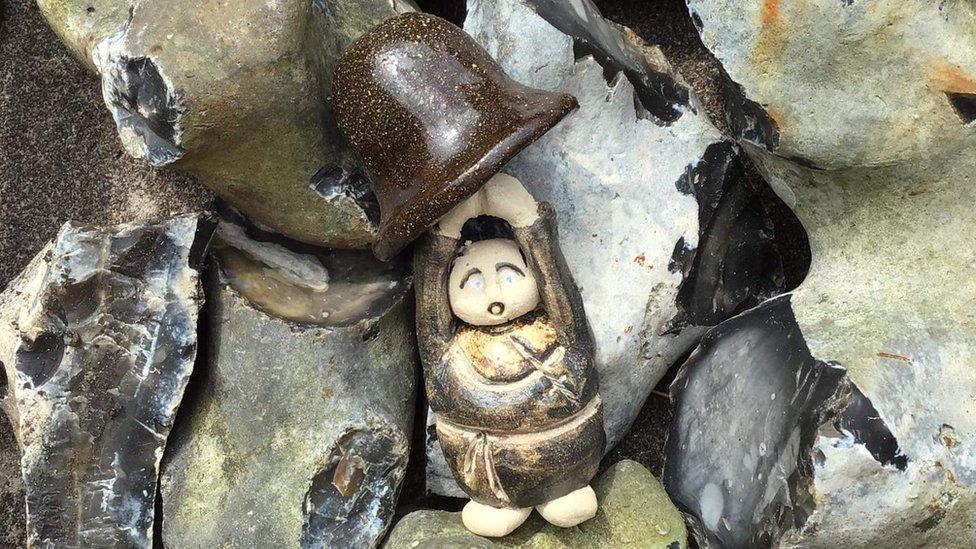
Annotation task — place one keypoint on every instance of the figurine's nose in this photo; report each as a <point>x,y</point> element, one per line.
<point>496,308</point>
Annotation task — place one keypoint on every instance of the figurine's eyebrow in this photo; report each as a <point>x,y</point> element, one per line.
<point>498,267</point>
<point>468,275</point>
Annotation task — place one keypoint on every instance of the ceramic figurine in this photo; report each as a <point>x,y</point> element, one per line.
<point>506,349</point>
<point>508,363</point>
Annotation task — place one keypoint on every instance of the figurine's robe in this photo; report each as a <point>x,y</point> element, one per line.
<point>519,415</point>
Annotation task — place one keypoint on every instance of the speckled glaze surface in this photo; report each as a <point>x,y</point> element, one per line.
<point>433,117</point>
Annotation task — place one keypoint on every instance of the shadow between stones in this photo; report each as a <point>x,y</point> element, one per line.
<point>751,246</point>
<point>454,11</point>
<point>181,432</point>
<point>964,104</point>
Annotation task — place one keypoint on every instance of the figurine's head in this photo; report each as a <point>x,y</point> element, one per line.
<point>491,284</point>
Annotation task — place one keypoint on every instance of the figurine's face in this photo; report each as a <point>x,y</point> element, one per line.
<point>490,283</point>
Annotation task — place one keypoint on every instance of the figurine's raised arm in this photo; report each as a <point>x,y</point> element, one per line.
<point>559,294</point>
<point>435,322</point>
<point>433,257</point>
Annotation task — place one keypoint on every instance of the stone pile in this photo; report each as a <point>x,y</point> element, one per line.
<point>299,429</point>
<point>249,378</point>
<point>864,124</point>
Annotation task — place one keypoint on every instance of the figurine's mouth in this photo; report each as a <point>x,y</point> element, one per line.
<point>496,308</point>
<point>507,325</point>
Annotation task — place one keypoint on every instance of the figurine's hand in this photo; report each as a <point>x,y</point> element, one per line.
<point>508,199</point>
<point>450,224</point>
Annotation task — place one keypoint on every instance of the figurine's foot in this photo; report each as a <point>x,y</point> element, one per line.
<point>574,508</point>
<point>492,522</point>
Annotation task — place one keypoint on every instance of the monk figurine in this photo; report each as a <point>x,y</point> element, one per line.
<point>508,363</point>
<point>507,352</point>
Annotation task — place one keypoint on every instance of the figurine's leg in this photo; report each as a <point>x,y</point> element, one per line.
<point>574,508</point>
<point>492,522</point>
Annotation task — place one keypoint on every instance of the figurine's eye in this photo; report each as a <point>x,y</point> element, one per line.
<point>474,280</point>
<point>508,273</point>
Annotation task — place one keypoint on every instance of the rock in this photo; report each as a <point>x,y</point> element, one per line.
<point>795,93</point>
<point>875,152</point>
<point>813,448</point>
<point>300,426</point>
<point>747,480</point>
<point>82,24</point>
<point>98,339</point>
<point>657,227</point>
<point>634,512</point>
<point>239,98</point>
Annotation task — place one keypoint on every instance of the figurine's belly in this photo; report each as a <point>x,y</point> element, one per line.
<point>509,354</point>
<point>515,378</point>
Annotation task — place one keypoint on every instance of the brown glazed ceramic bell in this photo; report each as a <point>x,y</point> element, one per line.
<point>433,117</point>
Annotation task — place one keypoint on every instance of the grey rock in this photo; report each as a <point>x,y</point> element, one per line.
<point>658,230</point>
<point>98,339</point>
<point>299,429</point>
<point>875,151</point>
<point>634,512</point>
<point>793,91</point>
<point>240,98</point>
<point>748,406</point>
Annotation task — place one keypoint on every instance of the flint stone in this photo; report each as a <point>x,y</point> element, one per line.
<point>634,512</point>
<point>796,93</point>
<point>658,230</point>
<point>299,430</point>
<point>240,98</point>
<point>98,339</point>
<point>745,480</point>
<point>875,152</point>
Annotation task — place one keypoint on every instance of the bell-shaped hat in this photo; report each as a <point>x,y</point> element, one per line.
<point>433,117</point>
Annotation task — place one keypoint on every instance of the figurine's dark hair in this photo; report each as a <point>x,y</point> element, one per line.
<point>486,227</point>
